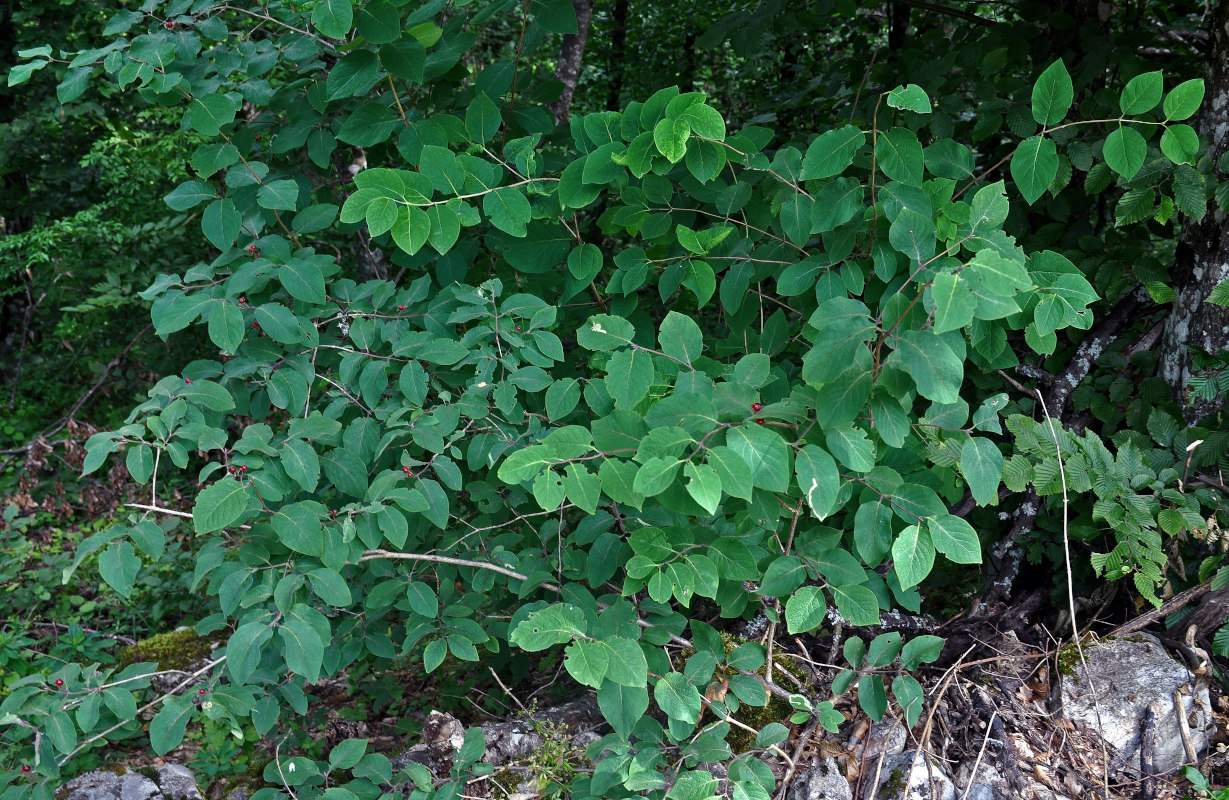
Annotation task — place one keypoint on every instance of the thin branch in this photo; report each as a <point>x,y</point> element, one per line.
<point>1075,630</point>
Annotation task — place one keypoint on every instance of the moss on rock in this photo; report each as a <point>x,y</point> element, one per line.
<point>178,649</point>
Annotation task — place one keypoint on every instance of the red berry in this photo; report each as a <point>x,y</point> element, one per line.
<point>168,25</point>
<point>202,691</point>
<point>251,248</point>
<point>243,301</point>
<point>518,328</point>
<point>406,470</point>
<point>401,308</point>
<point>188,381</point>
<point>25,768</point>
<point>59,682</point>
<point>255,324</point>
<point>756,406</point>
<point>231,470</point>
<point>333,513</point>
<point>759,422</point>
<point>243,469</point>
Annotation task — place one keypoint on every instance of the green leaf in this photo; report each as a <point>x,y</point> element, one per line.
<point>379,22</point>
<point>347,754</point>
<point>783,576</point>
<point>298,527</point>
<point>315,218</point>
<point>221,224</point>
<point>704,121</point>
<point>670,136</point>
<point>935,369</point>
<point>189,194</point>
<point>243,650</point>
<point>556,16</point>
<point>857,604</point>
<point>140,462</point>
<point>118,565</point>
<point>911,98</point>
<point>586,662</point>
<point>1125,150</point>
<point>279,195</point>
<point>605,332</point>
<point>805,610</point>
<point>910,695</point>
<point>629,374</point>
<point>1141,94</point>
<point>304,649</point>
<point>330,587</point>
<point>765,452</point>
<point>507,209</point>
<point>303,279</point>
<point>955,538</point>
<point>733,470</point>
<point>831,152</point>
<point>914,556</point>
<point>412,229</point>
<point>220,505</point>
<point>818,478</point>
<point>921,650</point>
<point>1034,166</point>
<point>678,698</point>
<point>797,213</point>
<point>1180,143</point>
<point>851,446</point>
<point>166,729</point>
<point>1052,95</point>
<point>656,475</point>
<point>622,706</point>
<point>333,18</point>
<point>555,624</point>
<point>772,733</point>
<point>1183,100</point>
<point>226,326</point>
<point>981,463</point>
<point>704,485</point>
<point>680,337</point>
<point>482,119</point>
<point>954,302</point>
<point>301,463</point>
<point>900,156</point>
<point>209,113</point>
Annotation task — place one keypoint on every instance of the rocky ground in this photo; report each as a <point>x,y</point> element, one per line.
<point>1011,713</point>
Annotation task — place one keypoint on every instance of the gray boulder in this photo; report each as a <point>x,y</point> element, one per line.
<point>905,778</point>
<point>823,781</point>
<point>167,782</point>
<point>1125,677</point>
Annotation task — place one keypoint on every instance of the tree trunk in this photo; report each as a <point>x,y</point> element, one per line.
<point>1202,257</point>
<point>570,55</point>
<point>618,54</point>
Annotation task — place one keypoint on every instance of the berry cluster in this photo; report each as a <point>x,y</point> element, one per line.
<point>237,470</point>
<point>170,24</point>
<point>253,250</point>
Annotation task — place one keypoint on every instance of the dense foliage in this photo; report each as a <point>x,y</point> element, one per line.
<point>480,385</point>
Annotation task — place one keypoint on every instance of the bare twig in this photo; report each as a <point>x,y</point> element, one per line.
<point>1075,629</point>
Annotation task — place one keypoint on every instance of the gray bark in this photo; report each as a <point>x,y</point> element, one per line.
<point>1202,256</point>
<point>571,54</point>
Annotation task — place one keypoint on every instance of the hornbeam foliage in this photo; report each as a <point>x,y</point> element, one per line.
<point>605,378</point>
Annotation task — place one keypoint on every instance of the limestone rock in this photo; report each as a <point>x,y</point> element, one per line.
<point>904,779</point>
<point>1126,676</point>
<point>168,782</point>
<point>824,781</point>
